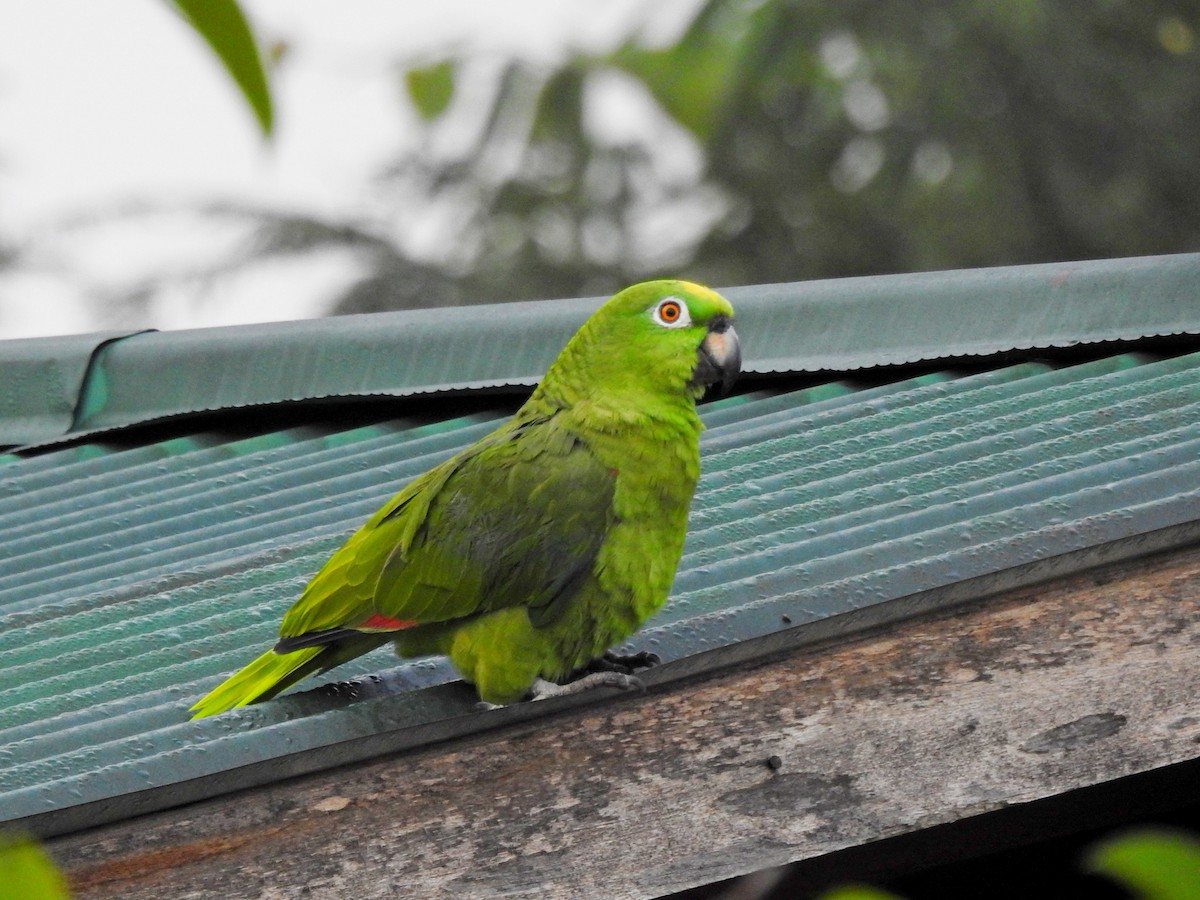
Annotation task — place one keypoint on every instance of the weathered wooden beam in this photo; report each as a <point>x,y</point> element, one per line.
<point>1007,700</point>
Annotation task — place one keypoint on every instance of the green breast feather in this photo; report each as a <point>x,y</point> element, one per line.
<point>531,552</point>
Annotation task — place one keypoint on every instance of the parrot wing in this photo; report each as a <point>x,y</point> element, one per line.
<point>516,519</point>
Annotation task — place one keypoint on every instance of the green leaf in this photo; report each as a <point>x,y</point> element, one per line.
<point>693,79</point>
<point>857,892</point>
<point>431,88</point>
<point>27,873</point>
<point>691,93</point>
<point>222,24</point>
<point>1156,865</point>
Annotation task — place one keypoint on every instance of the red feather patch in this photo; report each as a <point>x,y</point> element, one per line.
<point>384,623</point>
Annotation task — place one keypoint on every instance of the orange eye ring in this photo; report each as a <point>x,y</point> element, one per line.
<point>670,311</point>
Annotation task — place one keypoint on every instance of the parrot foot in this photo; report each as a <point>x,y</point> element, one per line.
<point>544,690</point>
<point>627,664</point>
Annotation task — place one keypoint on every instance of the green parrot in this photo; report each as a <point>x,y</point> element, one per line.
<point>529,554</point>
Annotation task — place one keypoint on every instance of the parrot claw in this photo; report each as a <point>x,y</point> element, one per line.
<point>625,664</point>
<point>544,690</point>
<point>643,659</point>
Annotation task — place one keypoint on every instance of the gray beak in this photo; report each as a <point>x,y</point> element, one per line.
<point>719,360</point>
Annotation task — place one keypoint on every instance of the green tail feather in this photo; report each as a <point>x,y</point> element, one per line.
<point>262,679</point>
<point>272,673</point>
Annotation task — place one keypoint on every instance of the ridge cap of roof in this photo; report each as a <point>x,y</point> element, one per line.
<point>78,385</point>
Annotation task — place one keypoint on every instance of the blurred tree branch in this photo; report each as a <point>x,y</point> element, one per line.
<point>855,138</point>
<point>773,141</point>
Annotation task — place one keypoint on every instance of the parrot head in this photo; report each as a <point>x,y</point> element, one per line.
<point>687,322</point>
<point>657,337</point>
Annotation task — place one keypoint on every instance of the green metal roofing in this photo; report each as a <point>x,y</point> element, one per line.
<point>43,379</point>
<point>800,327</point>
<point>134,578</point>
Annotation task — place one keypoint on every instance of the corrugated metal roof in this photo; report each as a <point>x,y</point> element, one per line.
<point>135,579</point>
<point>791,327</point>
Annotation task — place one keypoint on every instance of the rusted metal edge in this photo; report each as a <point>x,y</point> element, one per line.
<point>415,730</point>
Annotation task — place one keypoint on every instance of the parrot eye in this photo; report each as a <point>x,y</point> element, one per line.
<point>671,313</point>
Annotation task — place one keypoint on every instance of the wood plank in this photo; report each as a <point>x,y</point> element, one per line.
<point>1011,699</point>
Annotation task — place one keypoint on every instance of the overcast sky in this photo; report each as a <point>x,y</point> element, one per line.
<point>103,105</point>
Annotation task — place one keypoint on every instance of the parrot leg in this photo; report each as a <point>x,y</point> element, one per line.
<point>544,690</point>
